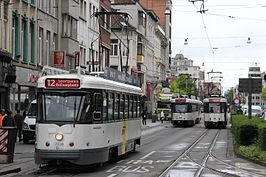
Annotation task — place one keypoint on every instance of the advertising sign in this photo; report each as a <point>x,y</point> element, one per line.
<point>212,88</point>
<point>59,59</point>
<point>77,58</point>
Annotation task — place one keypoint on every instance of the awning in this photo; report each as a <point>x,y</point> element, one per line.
<point>5,56</point>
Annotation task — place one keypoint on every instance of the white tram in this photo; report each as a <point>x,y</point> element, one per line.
<point>215,112</point>
<point>185,111</point>
<point>84,119</point>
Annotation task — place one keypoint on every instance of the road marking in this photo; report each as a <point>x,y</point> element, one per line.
<point>112,175</point>
<point>144,157</point>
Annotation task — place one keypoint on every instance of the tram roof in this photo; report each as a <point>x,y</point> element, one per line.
<point>215,100</point>
<point>91,82</point>
<point>185,100</point>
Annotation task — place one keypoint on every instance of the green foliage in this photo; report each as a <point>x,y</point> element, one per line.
<point>229,95</point>
<point>263,94</point>
<point>184,85</point>
<point>262,136</point>
<point>252,152</point>
<point>252,130</point>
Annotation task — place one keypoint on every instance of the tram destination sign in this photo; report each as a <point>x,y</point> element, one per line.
<point>62,83</point>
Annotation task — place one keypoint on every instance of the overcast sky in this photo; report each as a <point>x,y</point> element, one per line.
<point>219,37</point>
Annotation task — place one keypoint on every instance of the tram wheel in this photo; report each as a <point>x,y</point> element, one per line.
<point>134,147</point>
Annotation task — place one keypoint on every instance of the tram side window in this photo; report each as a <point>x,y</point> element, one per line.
<point>116,107</point>
<point>111,106</point>
<point>138,108</point>
<point>126,106</point>
<point>122,106</point>
<point>105,110</point>
<point>40,108</point>
<point>98,102</point>
<point>87,110</point>
<point>194,107</point>
<point>130,107</point>
<point>134,107</point>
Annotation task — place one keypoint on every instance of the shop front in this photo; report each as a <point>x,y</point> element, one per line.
<point>24,91</point>
<point>7,78</point>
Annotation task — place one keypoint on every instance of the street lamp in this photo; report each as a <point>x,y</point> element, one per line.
<point>248,41</point>
<point>186,43</point>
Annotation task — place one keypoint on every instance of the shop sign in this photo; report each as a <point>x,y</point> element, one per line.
<point>59,59</point>
<point>27,77</point>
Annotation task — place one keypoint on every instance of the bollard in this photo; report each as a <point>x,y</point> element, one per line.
<point>8,137</point>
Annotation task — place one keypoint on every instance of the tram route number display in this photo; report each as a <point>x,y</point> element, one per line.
<point>62,83</point>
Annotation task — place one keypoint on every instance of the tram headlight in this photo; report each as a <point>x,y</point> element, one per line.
<point>59,136</point>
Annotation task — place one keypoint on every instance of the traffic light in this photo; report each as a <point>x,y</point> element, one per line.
<point>265,77</point>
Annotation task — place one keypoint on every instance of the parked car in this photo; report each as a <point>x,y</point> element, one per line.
<point>28,130</point>
<point>255,111</point>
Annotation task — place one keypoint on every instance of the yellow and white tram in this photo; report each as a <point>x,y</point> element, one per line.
<point>84,119</point>
<point>185,111</point>
<point>215,112</point>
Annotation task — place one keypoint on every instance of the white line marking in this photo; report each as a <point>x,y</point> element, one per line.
<point>112,175</point>
<point>147,155</point>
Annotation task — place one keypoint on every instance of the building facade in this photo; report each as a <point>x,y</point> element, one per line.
<point>181,65</point>
<point>163,9</point>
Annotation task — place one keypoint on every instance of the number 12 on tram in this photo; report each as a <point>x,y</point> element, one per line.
<point>85,119</point>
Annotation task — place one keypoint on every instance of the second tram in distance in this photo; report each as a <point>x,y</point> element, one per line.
<point>185,111</point>
<point>215,112</point>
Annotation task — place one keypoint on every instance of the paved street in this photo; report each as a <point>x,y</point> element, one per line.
<point>165,151</point>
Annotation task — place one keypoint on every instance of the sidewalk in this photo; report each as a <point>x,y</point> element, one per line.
<point>151,124</point>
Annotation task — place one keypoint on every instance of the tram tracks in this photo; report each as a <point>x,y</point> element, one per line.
<point>203,164</point>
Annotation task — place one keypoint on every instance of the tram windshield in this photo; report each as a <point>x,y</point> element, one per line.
<point>214,107</point>
<point>163,104</point>
<point>62,106</point>
<point>180,108</point>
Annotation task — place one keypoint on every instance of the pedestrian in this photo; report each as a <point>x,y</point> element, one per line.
<point>162,116</point>
<point>9,120</point>
<point>24,114</point>
<point>144,117</point>
<point>19,122</point>
<point>2,116</point>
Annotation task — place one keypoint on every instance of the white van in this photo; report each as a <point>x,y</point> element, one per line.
<point>255,111</point>
<point>29,125</point>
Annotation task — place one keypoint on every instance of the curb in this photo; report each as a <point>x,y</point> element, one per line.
<point>15,170</point>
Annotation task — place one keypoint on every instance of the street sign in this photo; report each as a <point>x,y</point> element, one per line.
<point>256,85</point>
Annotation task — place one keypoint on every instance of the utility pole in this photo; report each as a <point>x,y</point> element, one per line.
<point>249,97</point>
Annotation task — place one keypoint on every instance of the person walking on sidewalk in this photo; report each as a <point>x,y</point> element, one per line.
<point>162,116</point>
<point>19,121</point>
<point>2,116</point>
<point>144,117</point>
<point>9,120</point>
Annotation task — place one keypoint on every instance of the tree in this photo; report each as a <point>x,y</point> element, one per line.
<point>229,94</point>
<point>184,85</point>
<point>263,94</point>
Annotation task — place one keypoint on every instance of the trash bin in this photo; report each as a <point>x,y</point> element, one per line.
<point>8,137</point>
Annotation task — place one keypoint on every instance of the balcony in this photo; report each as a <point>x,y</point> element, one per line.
<point>140,58</point>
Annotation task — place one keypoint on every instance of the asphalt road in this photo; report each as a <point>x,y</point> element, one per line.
<point>165,152</point>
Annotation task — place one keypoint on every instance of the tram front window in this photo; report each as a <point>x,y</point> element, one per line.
<point>214,108</point>
<point>62,106</point>
<point>182,108</point>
